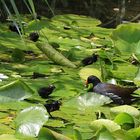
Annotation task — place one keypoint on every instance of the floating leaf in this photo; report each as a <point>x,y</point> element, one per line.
<point>137,78</point>
<point>87,71</point>
<point>88,101</point>
<point>126,38</point>
<point>121,71</point>
<point>15,91</point>
<point>125,120</point>
<point>128,32</point>
<point>127,109</point>
<point>18,55</point>
<point>133,134</point>
<point>30,120</point>
<point>54,55</point>
<point>110,125</point>
<point>8,137</point>
<point>92,100</point>
<point>104,134</point>
<point>47,134</point>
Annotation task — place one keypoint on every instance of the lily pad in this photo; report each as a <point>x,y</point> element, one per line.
<point>110,125</point>
<point>104,134</point>
<point>87,71</point>
<point>127,109</point>
<point>8,137</point>
<point>88,101</point>
<point>125,120</point>
<point>126,38</point>
<point>15,91</point>
<point>30,120</point>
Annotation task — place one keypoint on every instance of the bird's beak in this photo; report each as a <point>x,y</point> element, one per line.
<point>86,84</point>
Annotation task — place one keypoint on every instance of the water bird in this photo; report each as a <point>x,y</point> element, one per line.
<point>119,95</point>
<point>44,92</point>
<point>90,59</point>
<point>53,106</point>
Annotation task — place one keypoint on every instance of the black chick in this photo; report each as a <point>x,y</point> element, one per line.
<point>13,28</point>
<point>34,36</point>
<point>38,75</point>
<point>55,105</point>
<point>89,60</point>
<point>44,92</point>
<point>120,95</point>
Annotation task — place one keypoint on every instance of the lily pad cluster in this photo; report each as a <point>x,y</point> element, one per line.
<point>82,115</point>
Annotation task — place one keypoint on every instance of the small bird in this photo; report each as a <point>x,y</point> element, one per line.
<point>53,106</point>
<point>44,92</point>
<point>33,36</point>
<point>89,60</point>
<point>14,28</point>
<point>38,75</point>
<point>119,95</point>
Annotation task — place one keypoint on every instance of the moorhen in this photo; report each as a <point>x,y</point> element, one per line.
<point>119,95</point>
<point>44,92</point>
<point>90,59</point>
<point>53,106</point>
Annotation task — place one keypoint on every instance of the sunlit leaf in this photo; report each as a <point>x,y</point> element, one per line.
<point>47,134</point>
<point>137,78</point>
<point>30,120</point>
<point>126,38</point>
<point>110,125</point>
<point>104,134</point>
<point>8,137</point>
<point>15,91</point>
<point>127,109</point>
<point>88,100</point>
<point>125,120</point>
<point>87,71</point>
<point>134,134</point>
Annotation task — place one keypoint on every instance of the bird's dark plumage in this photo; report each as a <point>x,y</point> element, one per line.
<point>44,92</point>
<point>89,60</point>
<point>55,105</point>
<point>120,95</point>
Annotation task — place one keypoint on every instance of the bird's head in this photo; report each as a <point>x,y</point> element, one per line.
<point>92,79</point>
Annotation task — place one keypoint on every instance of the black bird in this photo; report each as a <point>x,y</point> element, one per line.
<point>119,95</point>
<point>89,60</point>
<point>14,28</point>
<point>44,92</point>
<point>38,75</point>
<point>55,105</point>
<point>34,36</point>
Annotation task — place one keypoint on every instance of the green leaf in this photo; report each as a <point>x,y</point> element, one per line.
<point>137,78</point>
<point>87,71</point>
<point>104,134</point>
<point>87,101</point>
<point>18,55</point>
<point>133,134</point>
<point>54,55</point>
<point>128,32</point>
<point>77,135</point>
<point>110,125</point>
<point>125,120</point>
<point>126,38</point>
<point>8,137</point>
<point>45,134</point>
<point>121,71</point>
<point>15,91</point>
<point>30,120</point>
<point>76,20</point>
<point>127,109</point>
